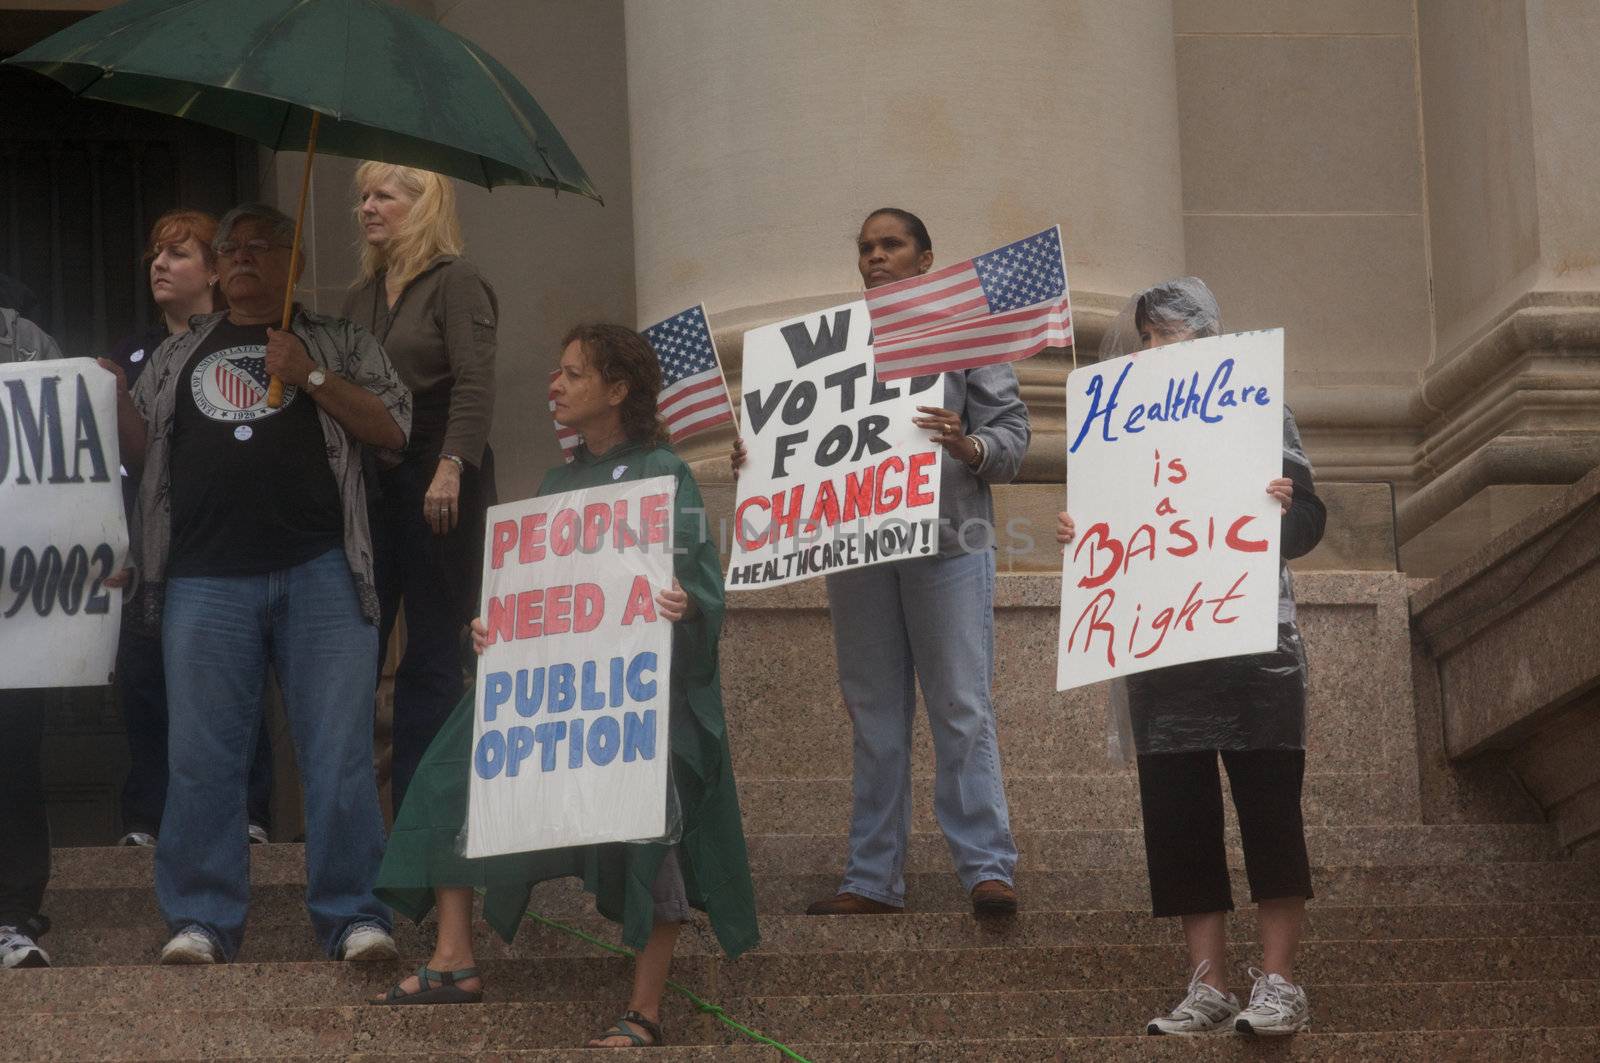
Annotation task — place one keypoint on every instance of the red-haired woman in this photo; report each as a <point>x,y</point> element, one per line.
<point>183,283</point>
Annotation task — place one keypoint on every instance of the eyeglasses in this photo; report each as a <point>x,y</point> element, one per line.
<point>257,248</point>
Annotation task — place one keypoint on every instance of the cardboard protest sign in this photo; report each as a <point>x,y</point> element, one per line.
<point>62,528</point>
<point>569,743</point>
<point>1176,557</point>
<point>837,476</point>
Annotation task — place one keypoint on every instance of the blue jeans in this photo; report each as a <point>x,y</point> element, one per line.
<point>219,635</point>
<point>929,620</point>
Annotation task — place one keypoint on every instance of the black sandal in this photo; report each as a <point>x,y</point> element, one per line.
<point>446,992</point>
<point>620,1029</point>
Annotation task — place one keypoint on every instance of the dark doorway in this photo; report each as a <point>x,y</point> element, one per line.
<point>80,184</point>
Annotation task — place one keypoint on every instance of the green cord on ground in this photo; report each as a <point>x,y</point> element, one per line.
<point>714,1010</point>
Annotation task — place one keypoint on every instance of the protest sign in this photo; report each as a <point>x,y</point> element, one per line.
<point>62,529</point>
<point>1168,458</point>
<point>569,742</point>
<point>836,476</point>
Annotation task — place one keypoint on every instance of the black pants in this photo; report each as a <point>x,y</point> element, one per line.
<point>1181,796</point>
<point>24,830</point>
<point>142,684</point>
<point>437,577</point>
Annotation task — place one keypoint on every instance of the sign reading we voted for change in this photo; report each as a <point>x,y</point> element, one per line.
<point>62,528</point>
<point>837,476</point>
<point>1169,452</point>
<point>569,743</point>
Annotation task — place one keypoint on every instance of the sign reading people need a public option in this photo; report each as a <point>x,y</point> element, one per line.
<point>1169,452</point>
<point>62,528</point>
<point>836,476</point>
<point>569,742</point>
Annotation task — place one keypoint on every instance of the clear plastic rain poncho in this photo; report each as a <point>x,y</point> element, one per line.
<point>1253,701</point>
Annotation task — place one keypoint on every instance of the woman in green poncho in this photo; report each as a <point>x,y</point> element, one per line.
<point>606,390</point>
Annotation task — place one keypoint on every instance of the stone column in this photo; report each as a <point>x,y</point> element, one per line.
<point>762,133</point>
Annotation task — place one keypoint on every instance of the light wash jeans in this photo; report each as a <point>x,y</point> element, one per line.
<point>929,619</point>
<point>219,635</point>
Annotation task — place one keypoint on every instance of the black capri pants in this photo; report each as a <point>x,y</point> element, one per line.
<point>1181,797</point>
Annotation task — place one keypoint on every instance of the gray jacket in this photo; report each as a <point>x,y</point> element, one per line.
<point>23,341</point>
<point>991,409</point>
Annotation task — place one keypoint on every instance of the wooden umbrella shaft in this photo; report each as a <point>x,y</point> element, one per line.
<point>275,388</point>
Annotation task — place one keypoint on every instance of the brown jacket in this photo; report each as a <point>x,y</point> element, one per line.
<point>440,336</point>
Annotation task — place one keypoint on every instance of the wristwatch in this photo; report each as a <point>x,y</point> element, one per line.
<point>315,379</point>
<point>979,452</point>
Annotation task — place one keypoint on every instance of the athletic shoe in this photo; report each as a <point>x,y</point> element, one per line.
<point>368,943</point>
<point>1203,1010</point>
<point>257,834</point>
<point>19,950</point>
<point>189,946</point>
<point>1277,1007</point>
<point>138,839</point>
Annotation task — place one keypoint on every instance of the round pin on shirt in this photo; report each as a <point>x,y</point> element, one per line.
<point>243,432</point>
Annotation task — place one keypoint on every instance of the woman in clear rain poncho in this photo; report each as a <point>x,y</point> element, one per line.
<point>1251,710</point>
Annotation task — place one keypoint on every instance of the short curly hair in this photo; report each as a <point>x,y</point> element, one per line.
<point>619,353</point>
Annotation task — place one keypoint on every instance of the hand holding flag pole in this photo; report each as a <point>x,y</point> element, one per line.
<point>275,388</point>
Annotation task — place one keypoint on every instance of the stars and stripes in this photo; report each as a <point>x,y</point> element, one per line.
<point>694,396</point>
<point>1003,306</point>
<point>241,381</point>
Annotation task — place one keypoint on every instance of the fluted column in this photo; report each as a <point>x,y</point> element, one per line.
<point>763,132</point>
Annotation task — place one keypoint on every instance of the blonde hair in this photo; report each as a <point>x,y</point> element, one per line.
<point>431,228</point>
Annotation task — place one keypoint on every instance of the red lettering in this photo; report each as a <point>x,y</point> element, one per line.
<point>1230,596</point>
<point>558,610</point>
<point>653,515</point>
<point>1134,549</point>
<point>1244,546</point>
<point>786,511</point>
<point>858,493</point>
<point>596,519</point>
<point>502,619</point>
<point>1180,528</point>
<point>890,498</point>
<point>739,527</point>
<point>627,536</point>
<point>532,548</point>
<point>1179,473</point>
<point>1165,508</point>
<point>641,603</point>
<point>1102,533</point>
<point>528,608</point>
<point>825,510</point>
<point>917,480</point>
<point>1095,612</point>
<point>564,532</point>
<point>588,607</point>
<point>505,533</point>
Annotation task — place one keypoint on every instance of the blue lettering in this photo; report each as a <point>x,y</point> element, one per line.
<point>604,738</point>
<point>639,736</point>
<point>638,688</point>
<point>575,747</point>
<point>563,692</point>
<point>496,691</point>
<point>591,698</point>
<point>530,691</point>
<point>1135,415</point>
<point>1095,393</point>
<point>549,736</point>
<point>1219,379</point>
<point>617,680</point>
<point>490,756</point>
<point>521,746</point>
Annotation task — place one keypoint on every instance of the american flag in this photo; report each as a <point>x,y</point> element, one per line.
<point>694,396</point>
<point>567,437</point>
<point>241,381</point>
<point>1000,307</point>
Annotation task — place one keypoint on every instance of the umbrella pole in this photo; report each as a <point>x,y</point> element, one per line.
<point>275,388</point>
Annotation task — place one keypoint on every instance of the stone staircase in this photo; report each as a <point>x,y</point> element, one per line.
<point>1448,939</point>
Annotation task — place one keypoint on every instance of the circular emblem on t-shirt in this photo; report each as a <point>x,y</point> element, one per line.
<point>243,432</point>
<point>137,356</point>
<point>231,385</point>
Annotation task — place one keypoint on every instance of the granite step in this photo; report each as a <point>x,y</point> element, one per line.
<point>940,1018</point>
<point>293,941</point>
<point>600,977</point>
<point>1083,889</point>
<point>1551,1045</point>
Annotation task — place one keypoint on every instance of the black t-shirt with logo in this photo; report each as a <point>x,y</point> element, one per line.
<point>252,491</point>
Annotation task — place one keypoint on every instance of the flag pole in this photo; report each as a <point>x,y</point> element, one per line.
<point>275,389</point>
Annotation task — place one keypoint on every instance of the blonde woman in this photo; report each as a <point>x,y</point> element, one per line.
<point>435,316</point>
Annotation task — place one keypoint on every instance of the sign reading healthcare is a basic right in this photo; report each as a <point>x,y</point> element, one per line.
<point>1169,452</point>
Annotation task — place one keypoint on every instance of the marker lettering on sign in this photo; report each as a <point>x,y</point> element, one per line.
<point>33,435</point>
<point>1184,398</point>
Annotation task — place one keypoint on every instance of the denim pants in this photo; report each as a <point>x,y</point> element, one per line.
<point>929,620</point>
<point>142,687</point>
<point>219,636</point>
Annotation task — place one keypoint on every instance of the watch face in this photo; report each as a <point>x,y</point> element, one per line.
<point>316,378</point>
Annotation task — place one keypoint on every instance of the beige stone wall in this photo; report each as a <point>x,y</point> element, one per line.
<point>553,260</point>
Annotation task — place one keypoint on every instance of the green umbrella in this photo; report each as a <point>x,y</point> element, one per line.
<point>360,78</point>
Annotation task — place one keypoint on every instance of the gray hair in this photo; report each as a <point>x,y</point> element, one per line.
<point>282,230</point>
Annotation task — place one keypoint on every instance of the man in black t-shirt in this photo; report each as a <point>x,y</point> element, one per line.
<point>254,550</point>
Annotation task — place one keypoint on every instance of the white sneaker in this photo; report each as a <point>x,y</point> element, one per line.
<point>1203,1010</point>
<point>257,834</point>
<point>19,950</point>
<point>1277,1007</point>
<point>189,946</point>
<point>138,839</point>
<point>368,943</point>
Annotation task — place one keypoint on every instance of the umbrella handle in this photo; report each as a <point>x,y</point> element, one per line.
<point>275,387</point>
